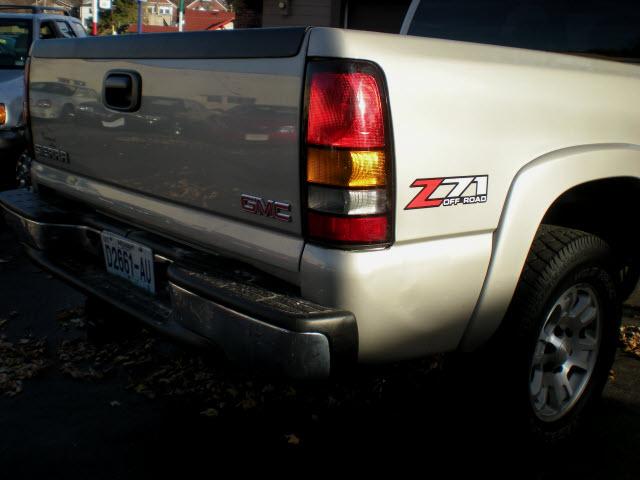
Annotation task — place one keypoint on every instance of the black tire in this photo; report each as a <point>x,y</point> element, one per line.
<point>559,259</point>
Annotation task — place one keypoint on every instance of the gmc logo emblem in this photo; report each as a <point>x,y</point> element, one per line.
<point>266,208</point>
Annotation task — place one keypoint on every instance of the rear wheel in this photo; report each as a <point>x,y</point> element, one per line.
<point>561,330</point>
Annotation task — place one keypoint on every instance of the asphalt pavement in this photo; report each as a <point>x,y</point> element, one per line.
<point>85,402</point>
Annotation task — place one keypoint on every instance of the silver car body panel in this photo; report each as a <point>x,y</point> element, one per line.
<point>463,109</point>
<point>409,300</point>
<point>536,124</point>
<point>207,131</point>
<point>12,95</point>
<point>544,180</point>
<point>273,251</point>
<point>12,83</point>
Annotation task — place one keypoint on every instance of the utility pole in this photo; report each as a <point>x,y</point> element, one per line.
<point>94,26</point>
<point>139,16</point>
<point>181,16</point>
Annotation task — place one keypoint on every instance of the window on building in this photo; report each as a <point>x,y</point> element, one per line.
<point>165,10</point>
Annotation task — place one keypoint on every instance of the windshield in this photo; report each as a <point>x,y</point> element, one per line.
<point>15,38</point>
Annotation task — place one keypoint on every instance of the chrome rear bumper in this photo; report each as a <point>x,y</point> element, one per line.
<point>202,299</point>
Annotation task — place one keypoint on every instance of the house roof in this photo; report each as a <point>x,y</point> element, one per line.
<point>162,2</point>
<point>194,20</point>
<point>207,5</point>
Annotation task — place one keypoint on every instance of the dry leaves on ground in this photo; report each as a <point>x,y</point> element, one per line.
<point>20,361</point>
<point>154,369</point>
<point>71,318</point>
<point>292,439</point>
<point>81,359</point>
<point>630,338</point>
<point>152,372</point>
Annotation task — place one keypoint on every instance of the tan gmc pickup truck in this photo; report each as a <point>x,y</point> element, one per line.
<point>306,199</point>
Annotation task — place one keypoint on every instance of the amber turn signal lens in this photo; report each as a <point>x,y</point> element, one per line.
<point>346,168</point>
<point>3,114</point>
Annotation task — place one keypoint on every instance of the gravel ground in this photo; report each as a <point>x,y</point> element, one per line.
<point>78,404</point>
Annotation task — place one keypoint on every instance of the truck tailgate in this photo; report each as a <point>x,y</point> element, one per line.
<point>219,118</point>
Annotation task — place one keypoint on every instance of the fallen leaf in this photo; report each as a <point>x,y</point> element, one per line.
<point>210,412</point>
<point>630,339</point>
<point>20,361</point>
<point>248,404</point>
<point>78,322</point>
<point>74,317</point>
<point>292,439</point>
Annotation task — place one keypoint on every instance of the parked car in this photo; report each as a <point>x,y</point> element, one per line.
<point>59,100</point>
<point>428,195</point>
<point>17,32</point>
<point>255,123</point>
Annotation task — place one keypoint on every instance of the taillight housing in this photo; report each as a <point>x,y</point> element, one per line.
<point>348,155</point>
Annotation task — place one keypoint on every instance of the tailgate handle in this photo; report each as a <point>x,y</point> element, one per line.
<point>122,90</point>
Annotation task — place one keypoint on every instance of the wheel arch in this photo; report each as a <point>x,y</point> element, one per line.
<point>540,192</point>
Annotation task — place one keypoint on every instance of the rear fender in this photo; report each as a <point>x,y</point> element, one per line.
<point>534,189</point>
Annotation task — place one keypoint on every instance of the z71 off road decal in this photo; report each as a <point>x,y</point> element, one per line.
<point>444,192</point>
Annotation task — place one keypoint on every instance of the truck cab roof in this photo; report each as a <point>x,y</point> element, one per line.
<point>26,16</point>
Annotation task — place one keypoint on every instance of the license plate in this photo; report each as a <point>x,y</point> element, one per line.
<point>129,260</point>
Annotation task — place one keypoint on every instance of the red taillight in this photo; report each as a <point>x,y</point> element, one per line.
<point>372,229</point>
<point>345,110</point>
<point>348,154</point>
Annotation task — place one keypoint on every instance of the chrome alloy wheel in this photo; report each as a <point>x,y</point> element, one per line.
<point>565,353</point>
